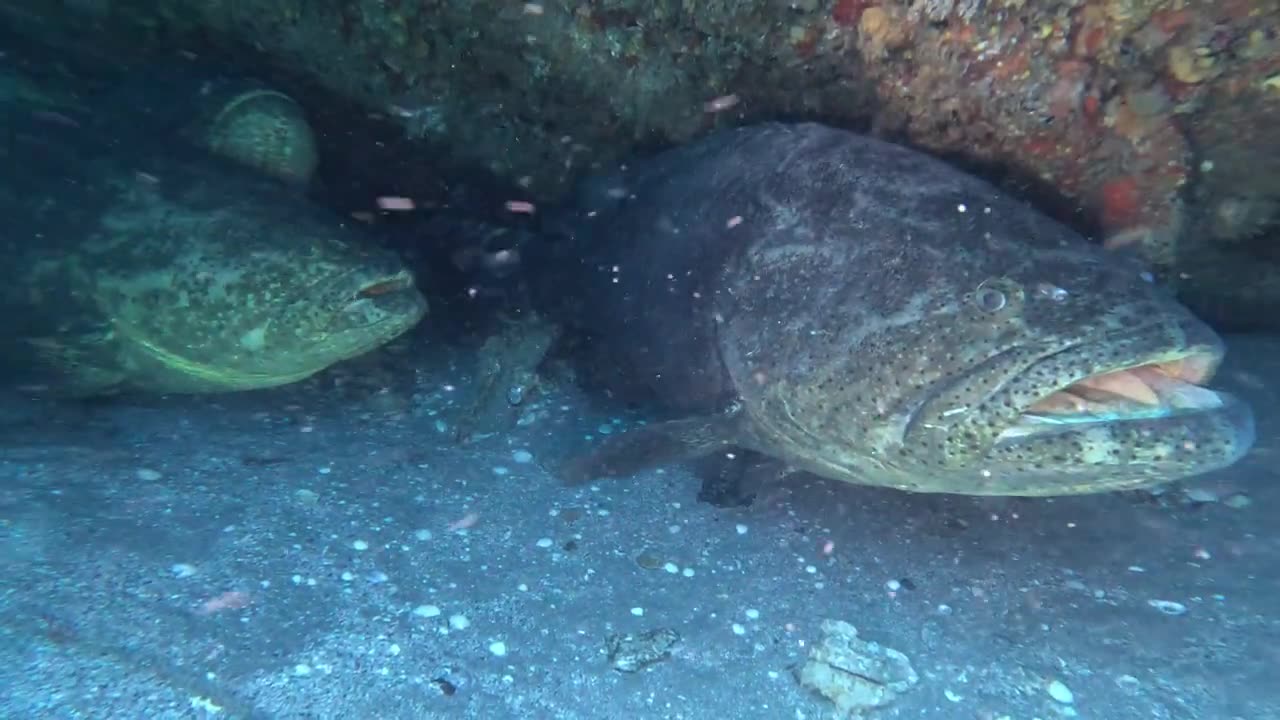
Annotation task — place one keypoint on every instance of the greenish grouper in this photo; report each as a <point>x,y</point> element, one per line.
<point>150,264</point>
<point>868,313</point>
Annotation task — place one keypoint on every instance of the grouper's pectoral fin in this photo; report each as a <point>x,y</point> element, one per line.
<point>654,445</point>
<point>736,479</point>
<point>77,365</point>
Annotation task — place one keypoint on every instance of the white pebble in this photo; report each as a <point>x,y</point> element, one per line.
<point>637,611</point>
<point>301,669</point>
<point>522,456</point>
<point>742,529</point>
<point>1168,607</point>
<point>427,611</point>
<point>605,429</point>
<point>348,577</point>
<point>394,649</point>
<point>544,542</point>
<point>459,622</point>
<point>753,614</point>
<point>738,629</point>
<point>422,534</point>
<point>148,474</point>
<point>1238,501</point>
<point>687,572</point>
<point>671,568</point>
<point>500,470</point>
<point>1201,495</point>
<point>183,570</point>
<point>1061,692</point>
<point>893,586</point>
<point>360,545</point>
<point>498,648</point>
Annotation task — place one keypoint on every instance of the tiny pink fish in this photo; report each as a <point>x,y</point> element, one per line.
<point>720,104</point>
<point>57,118</point>
<point>390,202</point>
<point>520,206</point>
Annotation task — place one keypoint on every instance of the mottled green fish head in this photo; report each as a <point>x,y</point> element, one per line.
<point>969,345</point>
<point>215,286</point>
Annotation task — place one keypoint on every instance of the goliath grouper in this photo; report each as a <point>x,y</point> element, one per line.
<point>867,313</point>
<point>147,263</point>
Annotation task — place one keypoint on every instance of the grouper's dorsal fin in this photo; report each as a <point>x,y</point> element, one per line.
<point>258,128</point>
<point>654,445</point>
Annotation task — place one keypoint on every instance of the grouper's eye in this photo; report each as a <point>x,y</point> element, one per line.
<point>997,295</point>
<point>990,299</point>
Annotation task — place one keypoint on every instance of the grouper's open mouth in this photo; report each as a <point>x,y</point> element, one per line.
<point>1161,388</point>
<point>392,295</point>
<point>377,309</point>
<point>386,286</point>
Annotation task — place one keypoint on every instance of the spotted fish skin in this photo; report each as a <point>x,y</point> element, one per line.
<point>146,263</point>
<point>868,313</point>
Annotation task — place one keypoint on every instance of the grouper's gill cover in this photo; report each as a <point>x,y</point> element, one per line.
<point>222,281</point>
<point>883,318</point>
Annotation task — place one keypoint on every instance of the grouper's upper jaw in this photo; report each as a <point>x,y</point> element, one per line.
<point>1121,425</point>
<point>1156,387</point>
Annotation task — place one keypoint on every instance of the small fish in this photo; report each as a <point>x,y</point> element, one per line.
<point>720,104</point>
<point>56,118</point>
<point>388,202</point>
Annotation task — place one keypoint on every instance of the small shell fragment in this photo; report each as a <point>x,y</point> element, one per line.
<point>1168,607</point>
<point>636,651</point>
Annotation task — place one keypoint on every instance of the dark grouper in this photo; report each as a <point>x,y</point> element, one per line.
<point>148,264</point>
<point>870,314</point>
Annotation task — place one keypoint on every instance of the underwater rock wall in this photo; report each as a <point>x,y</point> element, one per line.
<point>1149,119</point>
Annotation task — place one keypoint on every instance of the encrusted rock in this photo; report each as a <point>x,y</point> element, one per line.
<point>858,676</point>
<point>506,376</point>
<point>636,651</point>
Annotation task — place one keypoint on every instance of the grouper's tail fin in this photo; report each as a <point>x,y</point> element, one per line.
<point>652,446</point>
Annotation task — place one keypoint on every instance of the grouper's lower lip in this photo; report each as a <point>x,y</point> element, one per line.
<point>1169,388</point>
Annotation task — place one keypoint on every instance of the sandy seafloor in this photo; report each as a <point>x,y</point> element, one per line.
<point>283,554</point>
